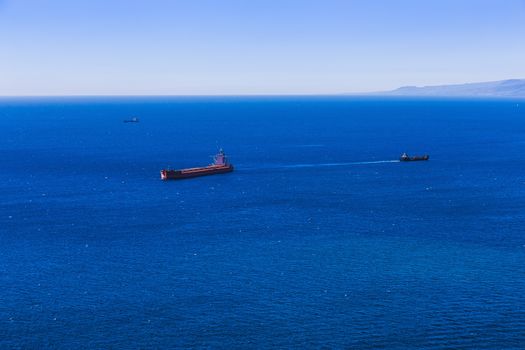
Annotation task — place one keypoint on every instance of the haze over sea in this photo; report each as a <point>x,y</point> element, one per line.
<point>316,240</point>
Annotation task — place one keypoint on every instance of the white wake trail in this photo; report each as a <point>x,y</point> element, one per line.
<point>317,165</point>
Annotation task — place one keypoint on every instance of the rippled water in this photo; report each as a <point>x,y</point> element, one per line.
<point>320,238</point>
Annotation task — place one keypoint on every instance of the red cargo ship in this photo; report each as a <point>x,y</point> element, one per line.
<point>220,165</point>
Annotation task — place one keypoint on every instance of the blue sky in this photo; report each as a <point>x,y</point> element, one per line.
<point>109,47</point>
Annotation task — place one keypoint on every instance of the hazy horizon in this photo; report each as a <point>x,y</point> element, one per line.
<point>290,47</point>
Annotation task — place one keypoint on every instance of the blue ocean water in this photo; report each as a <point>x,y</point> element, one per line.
<point>319,239</point>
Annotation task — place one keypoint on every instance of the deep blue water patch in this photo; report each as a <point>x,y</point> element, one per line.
<point>313,241</point>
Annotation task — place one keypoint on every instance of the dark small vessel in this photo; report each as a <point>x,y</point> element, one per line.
<point>220,165</point>
<point>132,120</point>
<point>406,158</point>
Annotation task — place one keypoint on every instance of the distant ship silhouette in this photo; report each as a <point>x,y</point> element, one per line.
<point>132,120</point>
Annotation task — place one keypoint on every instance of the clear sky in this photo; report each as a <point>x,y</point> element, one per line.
<point>120,47</point>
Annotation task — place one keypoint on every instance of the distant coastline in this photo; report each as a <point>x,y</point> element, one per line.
<point>510,88</point>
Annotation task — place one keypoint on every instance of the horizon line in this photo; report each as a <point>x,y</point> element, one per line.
<point>360,93</point>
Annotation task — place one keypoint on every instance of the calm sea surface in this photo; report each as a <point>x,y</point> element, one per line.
<point>315,241</point>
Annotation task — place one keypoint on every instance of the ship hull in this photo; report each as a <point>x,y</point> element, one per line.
<point>414,159</point>
<point>195,172</point>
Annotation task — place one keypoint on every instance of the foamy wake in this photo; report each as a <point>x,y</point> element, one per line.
<point>317,165</point>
